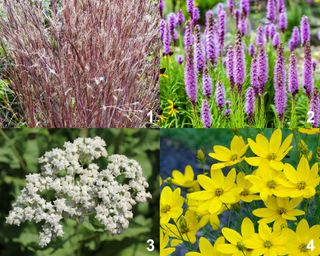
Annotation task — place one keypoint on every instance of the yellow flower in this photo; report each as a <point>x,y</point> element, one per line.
<point>300,183</point>
<point>269,243</point>
<point>310,131</point>
<point>246,194</point>
<point>229,157</point>
<point>303,237</point>
<point>273,151</point>
<point>164,240</point>
<point>279,209</point>
<point>186,228</point>
<point>170,204</point>
<point>237,246</point>
<point>172,109</point>
<point>265,181</point>
<point>185,180</point>
<point>206,249</point>
<point>218,190</point>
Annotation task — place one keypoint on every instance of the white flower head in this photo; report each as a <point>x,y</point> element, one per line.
<point>77,187</point>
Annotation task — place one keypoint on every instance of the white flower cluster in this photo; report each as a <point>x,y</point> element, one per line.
<point>72,185</point>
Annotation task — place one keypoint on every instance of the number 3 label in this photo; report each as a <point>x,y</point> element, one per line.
<point>150,248</point>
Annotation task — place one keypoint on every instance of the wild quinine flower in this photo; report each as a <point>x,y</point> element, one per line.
<point>79,187</point>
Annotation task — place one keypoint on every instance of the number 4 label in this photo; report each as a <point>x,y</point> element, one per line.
<point>150,242</point>
<point>311,246</point>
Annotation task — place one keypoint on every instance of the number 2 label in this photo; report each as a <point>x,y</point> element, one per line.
<point>310,117</point>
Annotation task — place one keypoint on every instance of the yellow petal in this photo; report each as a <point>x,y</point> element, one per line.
<point>189,172</point>
<point>247,228</point>
<point>200,195</point>
<point>277,165</point>
<point>264,212</point>
<point>253,161</point>
<point>231,235</point>
<point>218,178</point>
<point>275,141</point>
<point>205,246</point>
<point>286,144</point>
<point>263,141</point>
<point>222,150</point>
<point>264,231</point>
<point>227,249</point>
<point>290,173</point>
<point>257,149</point>
<point>207,183</point>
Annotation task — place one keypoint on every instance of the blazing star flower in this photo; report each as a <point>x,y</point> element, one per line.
<point>237,15</point>
<point>281,6</point>
<point>220,95</point>
<point>250,103</point>
<point>243,26</point>
<point>170,204</point>
<point>260,36</point>
<point>221,29</point>
<point>314,65</point>
<point>163,25</point>
<point>206,84</point>
<point>305,30</point>
<point>166,41</point>
<point>206,114</point>
<point>190,7</point>
<point>180,59</point>
<point>190,77</point>
<point>273,151</point>
<point>276,40</point>
<point>196,15</point>
<point>307,75</point>
<point>263,69</point>
<point>282,22</point>
<point>180,17</point>
<point>245,7</point>
<point>315,108</point>
<point>227,111</point>
<point>230,66</point>
<point>161,7</point>
<point>254,76</point>
<point>252,50</point>
<point>271,10</point>
<point>188,36</point>
<point>229,157</point>
<point>231,5</point>
<point>293,78</point>
<point>200,60</point>
<point>211,48</point>
<point>279,210</point>
<point>239,64</point>
<point>295,39</point>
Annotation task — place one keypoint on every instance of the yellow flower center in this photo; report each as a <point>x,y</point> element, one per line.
<point>267,244</point>
<point>282,211</point>
<point>234,157</point>
<point>272,156</point>
<point>301,185</point>
<point>271,184</point>
<point>219,192</point>
<point>245,192</point>
<point>241,246</point>
<point>303,248</point>
<point>165,208</point>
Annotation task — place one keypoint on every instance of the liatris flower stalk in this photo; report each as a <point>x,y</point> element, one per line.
<point>200,60</point>
<point>307,76</point>
<point>227,112</point>
<point>188,36</point>
<point>315,108</point>
<point>221,29</point>
<point>180,59</point>
<point>206,84</point>
<point>243,26</point>
<point>314,65</point>
<point>211,41</point>
<point>172,22</point>
<point>239,64</point>
<point>161,7</point>
<point>245,7</point>
<point>208,15</point>
<point>254,77</point>
<point>163,25</point>
<point>263,69</point>
<point>293,77</point>
<point>281,6</point>
<point>305,30</point>
<point>190,77</point>
<point>295,39</point>
<point>250,103</point>
<point>252,50</point>
<point>280,84</point>
<point>206,114</point>
<point>166,40</point>
<point>180,17</point>
<point>190,7</point>
<point>282,22</point>
<point>230,67</point>
<point>237,15</point>
<point>260,36</point>
<point>196,15</point>
<point>220,96</point>
<point>230,4</point>
<point>271,10</point>
<point>276,40</point>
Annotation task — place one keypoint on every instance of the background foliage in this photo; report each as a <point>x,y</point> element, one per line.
<point>19,152</point>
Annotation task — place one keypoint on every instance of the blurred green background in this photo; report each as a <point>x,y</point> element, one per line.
<point>19,153</point>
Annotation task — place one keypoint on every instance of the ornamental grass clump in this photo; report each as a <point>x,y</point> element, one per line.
<point>72,185</point>
<point>88,64</point>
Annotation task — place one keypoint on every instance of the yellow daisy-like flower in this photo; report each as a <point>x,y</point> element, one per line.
<point>310,131</point>
<point>186,228</point>
<point>164,240</point>
<point>229,157</point>
<point>269,243</point>
<point>273,151</point>
<point>218,190</point>
<point>303,237</point>
<point>246,194</point>
<point>207,249</point>
<point>185,180</point>
<point>172,109</point>
<point>279,210</point>
<point>301,182</point>
<point>265,181</point>
<point>170,204</point>
<point>237,246</point>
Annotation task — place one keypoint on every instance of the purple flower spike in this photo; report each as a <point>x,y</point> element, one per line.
<point>314,65</point>
<point>307,74</point>
<point>254,76</point>
<point>180,59</point>
<point>319,35</point>
<point>295,39</point>
<point>305,30</point>
<point>188,36</point>
<point>280,83</point>
<point>315,108</point>
<point>220,96</point>
<point>281,6</point>
<point>239,64</point>
<point>200,60</point>
<point>260,36</point>
<point>190,7</point>
<point>227,112</point>
<point>211,48</point>
<point>230,67</point>
<point>283,23</point>
<point>237,15</point>
<point>161,7</point>
<point>163,25</point>
<point>243,26</point>
<point>245,7</point>
<point>230,4</point>
<point>271,10</point>
<point>172,22</point>
<point>221,29</point>
<point>180,17</point>
<point>206,84</point>
<point>166,41</point>
<point>206,114</point>
<point>263,69</point>
<point>272,31</point>
<point>249,105</point>
<point>252,50</point>
<point>220,8</point>
<point>293,78</point>
<point>196,15</point>
<point>276,40</point>
<point>208,15</point>
<point>190,77</point>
